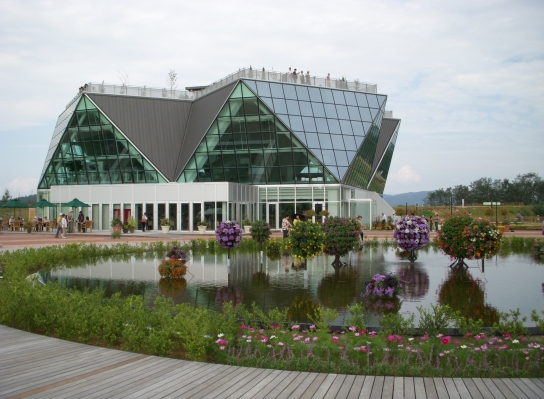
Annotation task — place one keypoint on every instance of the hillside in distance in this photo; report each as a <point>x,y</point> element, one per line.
<point>402,199</point>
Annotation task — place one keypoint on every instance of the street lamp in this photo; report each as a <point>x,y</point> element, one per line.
<point>451,206</point>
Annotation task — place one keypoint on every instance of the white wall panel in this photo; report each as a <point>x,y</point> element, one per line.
<point>166,192</point>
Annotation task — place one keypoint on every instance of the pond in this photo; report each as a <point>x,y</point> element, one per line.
<point>509,282</point>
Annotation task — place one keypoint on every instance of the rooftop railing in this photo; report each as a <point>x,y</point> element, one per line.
<point>248,73</point>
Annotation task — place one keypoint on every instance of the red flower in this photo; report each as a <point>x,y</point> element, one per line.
<point>446,340</point>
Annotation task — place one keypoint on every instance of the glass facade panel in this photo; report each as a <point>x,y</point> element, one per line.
<point>315,95</point>
<point>361,100</point>
<point>334,126</point>
<point>302,93</point>
<point>372,101</point>
<point>319,110</point>
<point>280,106</point>
<point>330,111</point>
<point>276,90</point>
<point>263,89</point>
<point>338,97</point>
<point>305,108</point>
<point>290,92</point>
<point>92,151</point>
<point>326,95</point>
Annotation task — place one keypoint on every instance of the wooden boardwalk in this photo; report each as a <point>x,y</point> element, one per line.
<point>34,366</point>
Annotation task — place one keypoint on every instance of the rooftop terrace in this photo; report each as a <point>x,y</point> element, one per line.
<point>192,93</point>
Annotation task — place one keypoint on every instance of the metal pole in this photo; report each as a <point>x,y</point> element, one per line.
<point>451,206</point>
<point>496,213</point>
<point>406,209</point>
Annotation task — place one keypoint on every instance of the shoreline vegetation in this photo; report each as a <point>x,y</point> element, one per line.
<point>246,336</point>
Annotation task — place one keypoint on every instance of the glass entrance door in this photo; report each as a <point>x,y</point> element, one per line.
<point>272,215</point>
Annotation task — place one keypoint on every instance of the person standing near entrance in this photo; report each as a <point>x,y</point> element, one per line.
<point>64,223</point>
<point>59,226</point>
<point>361,227</point>
<point>144,221</point>
<point>285,226</point>
<point>70,219</point>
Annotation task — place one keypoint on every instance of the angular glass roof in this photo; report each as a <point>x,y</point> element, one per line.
<point>92,151</point>
<point>332,123</point>
<point>246,143</point>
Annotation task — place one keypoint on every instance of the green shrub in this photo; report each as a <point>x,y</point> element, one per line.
<point>436,320</point>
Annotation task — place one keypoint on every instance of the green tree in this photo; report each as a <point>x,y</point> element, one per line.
<point>7,196</point>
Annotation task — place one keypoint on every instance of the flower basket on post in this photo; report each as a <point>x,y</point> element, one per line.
<point>411,233</point>
<point>228,234</point>
<point>260,233</point>
<point>462,237</point>
<point>305,240</point>
<point>310,213</point>
<point>341,235</point>
<point>172,269</point>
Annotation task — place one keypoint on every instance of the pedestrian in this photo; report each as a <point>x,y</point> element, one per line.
<point>81,222</point>
<point>436,220</point>
<point>144,222</point>
<point>285,226</point>
<point>295,75</point>
<point>328,80</point>
<point>59,226</point>
<point>64,222</point>
<point>361,227</point>
<point>70,219</point>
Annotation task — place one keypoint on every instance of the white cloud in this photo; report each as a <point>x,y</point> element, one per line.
<point>22,187</point>
<point>405,176</point>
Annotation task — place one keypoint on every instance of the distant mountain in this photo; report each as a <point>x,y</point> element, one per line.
<point>28,199</point>
<point>402,199</point>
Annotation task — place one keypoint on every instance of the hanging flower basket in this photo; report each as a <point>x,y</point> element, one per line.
<point>228,234</point>
<point>411,233</point>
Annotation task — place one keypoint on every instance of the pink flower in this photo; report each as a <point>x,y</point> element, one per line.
<point>335,339</point>
<point>425,337</point>
<point>222,348</point>
<point>457,342</point>
<point>307,339</point>
<point>314,339</point>
<point>446,340</point>
<point>296,326</point>
<point>280,344</point>
<point>269,346</point>
<point>477,337</point>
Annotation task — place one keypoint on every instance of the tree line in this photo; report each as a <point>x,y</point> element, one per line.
<point>527,188</point>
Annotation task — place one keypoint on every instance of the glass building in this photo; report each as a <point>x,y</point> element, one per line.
<point>252,145</point>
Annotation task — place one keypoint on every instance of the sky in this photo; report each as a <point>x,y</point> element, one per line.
<point>466,78</point>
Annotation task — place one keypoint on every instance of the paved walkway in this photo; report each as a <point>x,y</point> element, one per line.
<point>14,240</point>
<point>34,366</point>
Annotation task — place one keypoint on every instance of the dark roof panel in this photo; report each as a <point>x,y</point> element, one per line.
<point>387,129</point>
<point>155,126</point>
<point>203,113</point>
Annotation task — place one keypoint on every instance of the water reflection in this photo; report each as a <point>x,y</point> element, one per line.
<point>512,282</point>
<point>460,291</point>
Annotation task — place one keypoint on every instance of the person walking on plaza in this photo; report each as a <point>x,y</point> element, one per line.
<point>64,226</point>
<point>361,227</point>
<point>436,221</point>
<point>81,222</point>
<point>285,226</point>
<point>59,226</point>
<point>144,221</point>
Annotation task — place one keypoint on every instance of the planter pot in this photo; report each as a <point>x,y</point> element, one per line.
<point>125,231</point>
<point>117,229</point>
<point>165,229</point>
<point>201,229</point>
<point>29,231</point>
<point>131,230</point>
<point>247,229</point>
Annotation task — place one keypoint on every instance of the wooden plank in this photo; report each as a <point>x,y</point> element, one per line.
<point>240,386</point>
<point>441,391</point>
<point>495,391</point>
<point>388,387</point>
<point>472,388</point>
<point>482,388</point>
<point>430,389</point>
<point>377,387</point>
<point>137,382</point>
<point>409,389</point>
<point>538,382</point>
<point>310,383</point>
<point>513,388</point>
<point>323,387</point>
<point>300,379</point>
<point>522,387</point>
<point>224,381</point>
<point>28,382</point>
<point>345,388</point>
<point>273,389</point>
<point>504,389</point>
<point>462,388</point>
<point>398,388</point>
<point>163,381</point>
<point>199,388</point>
<point>263,381</point>
<point>419,388</point>
<point>356,387</point>
<point>86,387</point>
<point>334,389</point>
<point>200,375</point>
<point>529,382</point>
<point>366,391</point>
<point>451,388</point>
